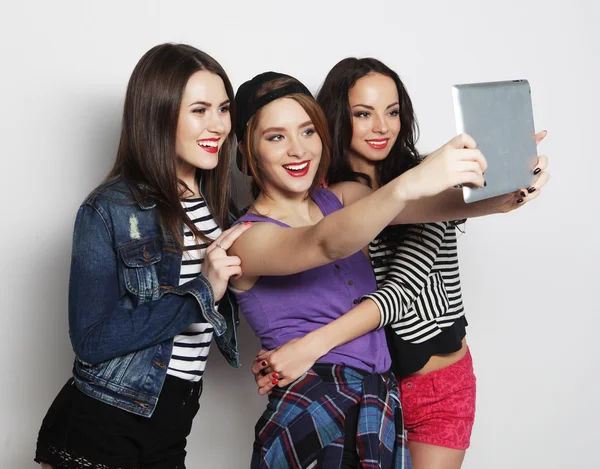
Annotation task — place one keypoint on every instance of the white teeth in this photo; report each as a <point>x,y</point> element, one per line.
<point>208,144</point>
<point>296,167</point>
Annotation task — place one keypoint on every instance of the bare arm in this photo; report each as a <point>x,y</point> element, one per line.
<point>268,249</point>
<point>287,363</point>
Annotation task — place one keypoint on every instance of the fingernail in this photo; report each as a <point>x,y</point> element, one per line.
<point>275,381</point>
<point>248,223</point>
<point>484,185</point>
<point>520,201</point>
<point>537,171</point>
<point>523,194</point>
<point>263,363</point>
<point>531,189</point>
<point>275,375</point>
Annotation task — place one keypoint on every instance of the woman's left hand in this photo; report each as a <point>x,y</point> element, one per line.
<point>285,364</point>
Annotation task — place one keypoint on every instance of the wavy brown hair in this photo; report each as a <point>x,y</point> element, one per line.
<point>251,164</point>
<point>146,157</point>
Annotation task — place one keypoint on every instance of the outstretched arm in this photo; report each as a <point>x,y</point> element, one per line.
<point>269,249</point>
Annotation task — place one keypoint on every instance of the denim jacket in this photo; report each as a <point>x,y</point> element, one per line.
<point>125,302</point>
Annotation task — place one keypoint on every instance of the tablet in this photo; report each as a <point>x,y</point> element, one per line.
<point>499,116</point>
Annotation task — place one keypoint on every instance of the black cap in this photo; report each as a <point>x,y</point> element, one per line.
<point>246,104</point>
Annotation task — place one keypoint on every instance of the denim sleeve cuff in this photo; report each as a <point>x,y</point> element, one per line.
<point>201,289</point>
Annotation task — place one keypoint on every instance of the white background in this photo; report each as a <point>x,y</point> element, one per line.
<point>530,277</point>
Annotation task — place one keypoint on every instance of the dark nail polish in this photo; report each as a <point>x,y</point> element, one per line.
<point>484,183</point>
<point>520,201</point>
<point>537,171</point>
<point>523,194</point>
<point>275,375</point>
<point>274,381</point>
<point>531,189</point>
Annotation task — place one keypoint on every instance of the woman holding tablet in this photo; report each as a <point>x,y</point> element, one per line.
<point>373,129</point>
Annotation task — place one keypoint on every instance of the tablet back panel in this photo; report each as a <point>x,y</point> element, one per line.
<point>499,117</point>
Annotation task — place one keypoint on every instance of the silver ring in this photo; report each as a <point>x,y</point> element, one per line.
<point>218,243</point>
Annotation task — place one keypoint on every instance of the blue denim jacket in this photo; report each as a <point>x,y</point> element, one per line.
<point>125,302</point>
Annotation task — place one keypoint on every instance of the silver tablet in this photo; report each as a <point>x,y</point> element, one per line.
<point>499,117</point>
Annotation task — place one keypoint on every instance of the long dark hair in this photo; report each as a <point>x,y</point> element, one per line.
<point>146,156</point>
<point>333,98</point>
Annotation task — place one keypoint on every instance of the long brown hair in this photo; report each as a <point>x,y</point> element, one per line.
<point>251,164</point>
<point>333,98</point>
<point>146,156</point>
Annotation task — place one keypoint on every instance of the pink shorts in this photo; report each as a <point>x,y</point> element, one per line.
<point>439,407</point>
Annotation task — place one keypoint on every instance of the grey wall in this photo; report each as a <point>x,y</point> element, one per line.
<point>530,277</point>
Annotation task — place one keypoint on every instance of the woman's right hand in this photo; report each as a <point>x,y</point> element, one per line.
<point>218,267</point>
<point>286,363</point>
<point>457,162</point>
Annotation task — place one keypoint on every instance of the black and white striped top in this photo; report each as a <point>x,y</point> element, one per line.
<point>191,347</point>
<point>419,291</point>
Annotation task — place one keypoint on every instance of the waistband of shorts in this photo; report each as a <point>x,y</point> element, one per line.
<point>465,362</point>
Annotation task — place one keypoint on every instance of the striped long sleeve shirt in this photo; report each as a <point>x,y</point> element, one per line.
<point>419,291</point>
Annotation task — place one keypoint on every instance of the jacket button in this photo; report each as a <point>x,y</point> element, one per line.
<point>377,262</point>
<point>355,302</point>
<point>350,282</point>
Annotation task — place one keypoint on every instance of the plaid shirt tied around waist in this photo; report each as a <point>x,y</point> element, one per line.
<point>303,425</point>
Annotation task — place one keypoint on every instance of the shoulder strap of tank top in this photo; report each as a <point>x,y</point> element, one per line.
<point>327,201</point>
<point>254,217</point>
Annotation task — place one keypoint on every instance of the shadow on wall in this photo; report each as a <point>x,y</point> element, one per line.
<point>97,140</point>
<point>240,187</point>
<point>84,154</point>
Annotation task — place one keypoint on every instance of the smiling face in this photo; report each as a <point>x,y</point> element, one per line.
<point>288,147</point>
<point>203,124</point>
<point>375,110</point>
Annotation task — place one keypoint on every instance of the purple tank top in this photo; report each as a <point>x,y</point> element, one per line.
<point>286,307</point>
